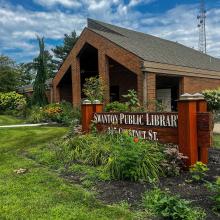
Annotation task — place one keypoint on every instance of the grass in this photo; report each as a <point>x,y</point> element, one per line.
<point>10,120</point>
<point>40,193</point>
<point>217,141</point>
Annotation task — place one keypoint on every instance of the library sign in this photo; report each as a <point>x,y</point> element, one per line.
<point>190,128</point>
<point>160,127</point>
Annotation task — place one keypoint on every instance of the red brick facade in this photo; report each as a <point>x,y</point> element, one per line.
<point>196,84</point>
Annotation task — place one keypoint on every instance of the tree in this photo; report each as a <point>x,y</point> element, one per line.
<point>32,67</point>
<point>27,74</point>
<point>9,74</point>
<point>61,52</point>
<point>39,96</point>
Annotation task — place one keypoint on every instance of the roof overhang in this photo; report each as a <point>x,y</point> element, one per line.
<point>170,69</point>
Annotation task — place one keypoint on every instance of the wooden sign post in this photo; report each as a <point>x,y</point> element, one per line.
<point>190,128</point>
<point>88,110</point>
<point>187,129</point>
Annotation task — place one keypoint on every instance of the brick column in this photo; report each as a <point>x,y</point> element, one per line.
<point>149,90</point>
<point>76,84</point>
<point>56,93</point>
<point>104,74</point>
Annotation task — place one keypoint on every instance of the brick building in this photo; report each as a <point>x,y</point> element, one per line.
<point>126,59</point>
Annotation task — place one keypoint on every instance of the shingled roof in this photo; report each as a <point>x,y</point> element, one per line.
<point>154,49</point>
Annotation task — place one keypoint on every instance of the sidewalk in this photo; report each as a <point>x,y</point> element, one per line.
<point>23,125</point>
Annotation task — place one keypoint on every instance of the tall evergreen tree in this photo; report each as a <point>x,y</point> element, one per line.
<point>61,52</point>
<point>39,96</point>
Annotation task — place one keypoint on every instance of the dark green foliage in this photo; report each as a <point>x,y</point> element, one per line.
<point>134,160</point>
<point>119,156</point>
<point>215,188</point>
<point>39,95</point>
<point>61,52</point>
<point>116,107</point>
<point>9,74</point>
<point>165,205</point>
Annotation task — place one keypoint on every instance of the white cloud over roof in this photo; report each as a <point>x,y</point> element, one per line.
<point>19,25</point>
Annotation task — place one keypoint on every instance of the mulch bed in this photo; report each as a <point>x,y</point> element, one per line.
<point>115,191</point>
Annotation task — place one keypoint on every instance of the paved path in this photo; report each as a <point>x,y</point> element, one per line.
<point>23,125</point>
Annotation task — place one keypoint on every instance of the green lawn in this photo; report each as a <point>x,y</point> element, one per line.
<point>10,120</point>
<point>40,193</point>
<point>217,141</point>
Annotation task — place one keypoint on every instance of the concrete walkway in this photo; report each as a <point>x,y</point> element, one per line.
<point>24,125</point>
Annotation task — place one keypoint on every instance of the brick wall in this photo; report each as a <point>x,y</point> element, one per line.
<point>196,84</point>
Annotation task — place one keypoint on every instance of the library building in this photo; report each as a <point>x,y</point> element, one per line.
<point>157,69</point>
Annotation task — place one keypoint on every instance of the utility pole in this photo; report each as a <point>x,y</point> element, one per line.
<point>202,27</point>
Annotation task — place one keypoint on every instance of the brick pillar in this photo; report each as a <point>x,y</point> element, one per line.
<point>104,74</point>
<point>140,78</point>
<point>56,93</point>
<point>76,84</point>
<point>149,90</point>
<point>181,86</point>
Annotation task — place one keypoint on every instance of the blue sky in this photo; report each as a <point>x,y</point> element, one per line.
<point>22,20</point>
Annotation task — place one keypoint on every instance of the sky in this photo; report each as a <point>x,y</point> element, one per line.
<point>176,20</point>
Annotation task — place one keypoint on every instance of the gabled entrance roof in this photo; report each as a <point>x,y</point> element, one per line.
<point>154,49</point>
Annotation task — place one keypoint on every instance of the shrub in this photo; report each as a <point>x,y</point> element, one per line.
<point>36,115</point>
<point>215,187</point>
<point>213,99</point>
<point>12,101</point>
<point>174,161</point>
<point>134,159</point>
<point>120,156</point>
<point>133,101</point>
<point>116,107</point>
<point>94,89</point>
<point>86,149</point>
<point>198,171</point>
<point>62,113</point>
<point>170,207</point>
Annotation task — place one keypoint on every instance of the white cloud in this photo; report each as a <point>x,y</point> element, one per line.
<point>65,3</point>
<point>19,26</point>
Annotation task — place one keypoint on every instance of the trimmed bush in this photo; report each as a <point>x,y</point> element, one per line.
<point>12,103</point>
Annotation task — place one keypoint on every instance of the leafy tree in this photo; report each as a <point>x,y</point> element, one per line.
<point>61,52</point>
<point>9,74</point>
<point>39,97</point>
<point>27,74</point>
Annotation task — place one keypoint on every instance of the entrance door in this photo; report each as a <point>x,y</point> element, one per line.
<point>164,97</point>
